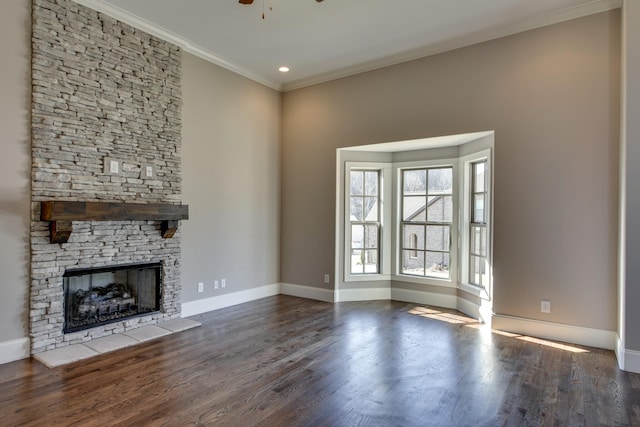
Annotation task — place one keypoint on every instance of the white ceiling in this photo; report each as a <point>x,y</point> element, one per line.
<point>335,38</point>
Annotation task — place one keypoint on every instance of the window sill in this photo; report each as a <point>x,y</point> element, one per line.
<point>431,281</point>
<point>366,278</point>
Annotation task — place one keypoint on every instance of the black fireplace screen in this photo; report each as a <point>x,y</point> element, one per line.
<point>103,295</point>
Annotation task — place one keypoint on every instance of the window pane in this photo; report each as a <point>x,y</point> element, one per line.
<point>371,209</point>
<point>371,261</point>
<point>478,177</point>
<point>478,271</point>
<point>413,264</point>
<point>357,184</point>
<point>479,241</point>
<point>474,270</point>
<point>437,264</point>
<point>414,181</point>
<point>413,208</point>
<point>413,230</point>
<point>371,236</point>
<point>371,183</point>
<point>357,236</point>
<point>356,209</point>
<point>475,241</point>
<point>440,209</point>
<point>438,237</point>
<point>484,272</point>
<point>440,180</point>
<point>478,208</point>
<point>357,262</point>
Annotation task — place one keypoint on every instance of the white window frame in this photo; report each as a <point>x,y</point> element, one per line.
<point>465,222</point>
<point>397,223</point>
<point>384,250</point>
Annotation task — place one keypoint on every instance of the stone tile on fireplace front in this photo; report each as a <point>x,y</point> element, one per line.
<point>110,343</point>
<point>63,355</point>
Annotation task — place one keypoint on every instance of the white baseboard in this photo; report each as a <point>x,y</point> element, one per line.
<point>556,331</point>
<point>628,360</point>
<point>309,292</point>
<point>366,294</point>
<point>619,352</point>
<point>427,298</point>
<point>14,350</point>
<point>469,308</point>
<point>191,308</point>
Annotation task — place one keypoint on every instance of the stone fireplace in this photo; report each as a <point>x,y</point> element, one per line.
<point>106,125</point>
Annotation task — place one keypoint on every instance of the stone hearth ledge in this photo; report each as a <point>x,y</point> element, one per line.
<point>73,353</point>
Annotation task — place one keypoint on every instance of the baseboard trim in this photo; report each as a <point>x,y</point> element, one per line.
<point>191,308</point>
<point>628,360</point>
<point>365,294</point>
<point>469,308</point>
<point>619,350</point>
<point>13,350</point>
<point>426,298</point>
<point>308,292</point>
<point>556,331</point>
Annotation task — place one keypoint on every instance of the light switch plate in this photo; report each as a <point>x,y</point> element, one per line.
<point>112,166</point>
<point>147,171</point>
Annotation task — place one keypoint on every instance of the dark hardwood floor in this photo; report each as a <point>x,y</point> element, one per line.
<point>285,361</point>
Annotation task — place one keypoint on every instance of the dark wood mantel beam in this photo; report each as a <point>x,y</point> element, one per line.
<point>61,215</point>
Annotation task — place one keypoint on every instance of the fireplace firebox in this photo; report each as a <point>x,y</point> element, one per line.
<point>97,296</point>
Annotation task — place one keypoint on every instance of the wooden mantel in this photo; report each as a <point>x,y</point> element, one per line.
<point>61,215</point>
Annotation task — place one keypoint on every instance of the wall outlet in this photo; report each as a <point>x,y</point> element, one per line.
<point>200,287</point>
<point>327,278</point>
<point>216,284</point>
<point>545,306</point>
<point>223,283</point>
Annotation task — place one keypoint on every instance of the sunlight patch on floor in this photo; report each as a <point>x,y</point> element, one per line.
<point>547,343</point>
<point>454,318</point>
<point>552,344</point>
<point>469,322</point>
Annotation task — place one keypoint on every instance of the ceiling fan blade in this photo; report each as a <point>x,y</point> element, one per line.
<point>245,1</point>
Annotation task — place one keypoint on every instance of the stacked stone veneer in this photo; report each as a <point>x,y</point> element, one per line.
<point>100,89</point>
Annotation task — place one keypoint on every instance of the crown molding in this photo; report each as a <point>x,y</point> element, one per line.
<point>586,9</point>
<point>589,8</point>
<point>178,40</point>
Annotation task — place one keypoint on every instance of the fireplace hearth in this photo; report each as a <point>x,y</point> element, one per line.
<point>98,296</point>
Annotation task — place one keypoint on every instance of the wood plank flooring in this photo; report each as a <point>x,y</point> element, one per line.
<point>285,361</point>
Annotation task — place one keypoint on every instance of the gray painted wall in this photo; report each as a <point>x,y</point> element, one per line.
<point>552,97</point>
<point>15,168</point>
<point>231,180</point>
